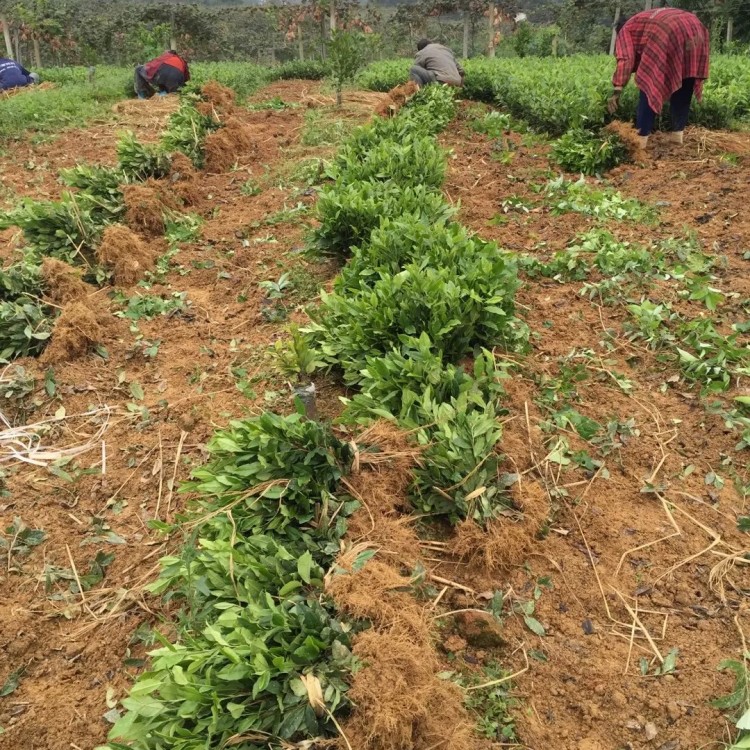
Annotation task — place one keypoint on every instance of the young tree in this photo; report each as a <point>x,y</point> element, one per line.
<point>346,53</point>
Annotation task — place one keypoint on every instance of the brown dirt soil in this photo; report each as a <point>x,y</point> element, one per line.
<point>76,332</point>
<point>670,552</point>
<point>607,543</point>
<point>31,167</point>
<point>75,652</point>
<point>63,283</point>
<point>145,206</point>
<point>126,254</point>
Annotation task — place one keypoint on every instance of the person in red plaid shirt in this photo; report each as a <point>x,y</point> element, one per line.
<point>667,48</point>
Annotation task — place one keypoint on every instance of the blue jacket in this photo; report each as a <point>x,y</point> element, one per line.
<point>12,74</point>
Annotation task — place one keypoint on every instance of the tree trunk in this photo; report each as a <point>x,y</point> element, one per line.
<point>37,54</point>
<point>300,44</point>
<point>555,43</point>
<point>332,18</point>
<point>618,13</point>
<point>6,34</point>
<point>172,34</point>
<point>467,20</point>
<point>17,45</point>
<point>491,17</point>
<point>649,4</point>
<point>730,30</point>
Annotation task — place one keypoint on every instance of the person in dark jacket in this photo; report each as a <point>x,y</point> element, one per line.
<point>435,63</point>
<point>166,74</point>
<point>13,75</point>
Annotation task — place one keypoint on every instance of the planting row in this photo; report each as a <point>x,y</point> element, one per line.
<point>72,229</point>
<point>418,295</point>
<point>554,95</point>
<point>75,98</point>
<point>262,654</point>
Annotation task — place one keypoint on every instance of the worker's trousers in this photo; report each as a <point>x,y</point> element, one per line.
<point>421,76</point>
<point>143,87</point>
<point>679,109</point>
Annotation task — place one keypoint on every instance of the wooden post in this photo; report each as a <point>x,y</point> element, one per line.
<point>649,4</point>
<point>613,40</point>
<point>555,44</point>
<point>37,53</point>
<point>491,17</point>
<point>467,20</point>
<point>730,29</point>
<point>300,43</point>
<point>17,45</point>
<point>6,34</point>
<point>332,17</point>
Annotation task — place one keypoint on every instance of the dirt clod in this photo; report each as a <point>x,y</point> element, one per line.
<point>480,629</point>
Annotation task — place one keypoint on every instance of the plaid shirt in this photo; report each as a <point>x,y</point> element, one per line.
<point>663,47</point>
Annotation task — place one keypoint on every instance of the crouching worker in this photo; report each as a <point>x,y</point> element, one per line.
<point>435,63</point>
<point>13,75</point>
<point>166,74</point>
<point>668,51</point>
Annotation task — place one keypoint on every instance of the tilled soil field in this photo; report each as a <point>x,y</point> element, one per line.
<point>621,565</point>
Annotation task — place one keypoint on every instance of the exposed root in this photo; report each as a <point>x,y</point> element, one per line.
<point>716,143</point>
<point>504,543</point>
<point>145,206</point>
<point>76,332</point>
<point>126,254</point>
<point>401,703</point>
<point>62,283</point>
<point>218,95</point>
<point>183,180</point>
<point>225,146</point>
<point>396,98</point>
<point>628,135</point>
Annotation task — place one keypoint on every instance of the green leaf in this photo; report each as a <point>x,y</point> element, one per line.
<point>12,682</point>
<point>136,391</point>
<point>534,625</point>
<point>304,565</point>
<point>744,721</point>
<point>670,662</point>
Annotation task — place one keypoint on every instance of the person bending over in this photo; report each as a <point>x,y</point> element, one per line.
<point>166,74</point>
<point>435,63</point>
<point>668,50</point>
<point>13,75</point>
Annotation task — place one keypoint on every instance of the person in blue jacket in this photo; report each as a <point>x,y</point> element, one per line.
<point>13,75</point>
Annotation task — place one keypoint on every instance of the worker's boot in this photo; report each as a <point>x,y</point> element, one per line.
<point>643,141</point>
<point>677,137</point>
